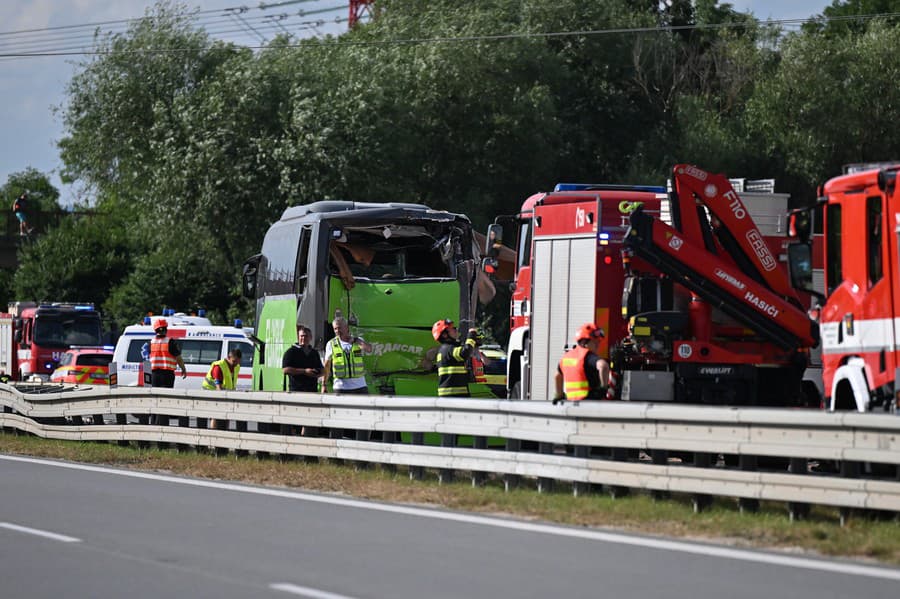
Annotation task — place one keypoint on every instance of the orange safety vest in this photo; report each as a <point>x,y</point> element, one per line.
<point>160,358</point>
<point>572,368</point>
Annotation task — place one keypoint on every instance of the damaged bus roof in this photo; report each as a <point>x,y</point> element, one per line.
<point>330,210</point>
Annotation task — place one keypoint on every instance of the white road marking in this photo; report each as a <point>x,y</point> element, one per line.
<point>762,557</point>
<point>40,533</point>
<point>306,591</point>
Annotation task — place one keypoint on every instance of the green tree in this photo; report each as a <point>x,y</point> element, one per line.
<point>80,261</point>
<point>839,16</point>
<point>44,196</point>
<point>832,101</point>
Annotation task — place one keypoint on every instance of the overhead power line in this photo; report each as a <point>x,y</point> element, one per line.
<point>221,23</point>
<point>229,24</point>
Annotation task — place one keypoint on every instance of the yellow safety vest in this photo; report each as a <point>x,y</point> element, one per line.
<point>341,367</point>
<point>228,377</point>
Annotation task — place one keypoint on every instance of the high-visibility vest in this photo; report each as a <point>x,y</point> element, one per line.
<point>160,358</point>
<point>577,386</point>
<point>228,377</point>
<point>341,367</point>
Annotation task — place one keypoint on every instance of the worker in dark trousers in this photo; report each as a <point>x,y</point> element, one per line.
<point>453,372</point>
<point>165,354</point>
<point>452,358</point>
<point>582,373</point>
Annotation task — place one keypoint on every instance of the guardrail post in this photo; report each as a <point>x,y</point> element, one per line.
<point>578,487</point>
<point>797,510</point>
<point>545,485</point>
<point>240,426</point>
<point>511,481</point>
<point>183,422</point>
<point>701,501</point>
<point>659,457</point>
<point>310,431</point>
<point>219,425</point>
<point>417,472</point>
<point>390,437</point>
<point>122,419</point>
<point>445,475</point>
<point>749,505</point>
<point>618,454</point>
<point>478,477</point>
<point>337,434</point>
<point>362,435</point>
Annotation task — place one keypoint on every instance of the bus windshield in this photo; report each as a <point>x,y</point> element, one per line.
<point>64,331</point>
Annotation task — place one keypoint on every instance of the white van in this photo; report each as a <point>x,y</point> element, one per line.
<point>201,345</point>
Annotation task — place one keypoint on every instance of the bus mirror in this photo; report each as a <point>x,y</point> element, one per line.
<point>248,280</point>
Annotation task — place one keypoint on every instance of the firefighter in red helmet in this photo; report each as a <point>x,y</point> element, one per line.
<point>582,373</point>
<point>452,358</point>
<point>165,355</point>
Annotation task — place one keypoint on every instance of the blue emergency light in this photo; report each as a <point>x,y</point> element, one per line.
<point>238,323</point>
<point>607,187</point>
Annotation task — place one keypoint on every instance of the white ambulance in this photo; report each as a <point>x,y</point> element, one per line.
<point>201,345</point>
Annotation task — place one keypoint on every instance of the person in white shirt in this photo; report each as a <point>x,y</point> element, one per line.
<point>343,359</point>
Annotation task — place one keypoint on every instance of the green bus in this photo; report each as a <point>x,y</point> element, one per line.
<point>390,269</point>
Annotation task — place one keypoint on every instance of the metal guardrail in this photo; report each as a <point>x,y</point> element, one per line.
<point>749,453</point>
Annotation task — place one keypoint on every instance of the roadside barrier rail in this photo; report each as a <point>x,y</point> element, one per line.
<point>802,457</point>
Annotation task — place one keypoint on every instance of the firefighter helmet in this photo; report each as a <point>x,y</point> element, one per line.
<point>439,327</point>
<point>589,331</point>
<point>160,323</point>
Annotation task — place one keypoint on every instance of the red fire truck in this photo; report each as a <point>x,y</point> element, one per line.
<point>861,311</point>
<point>707,314</point>
<point>34,336</point>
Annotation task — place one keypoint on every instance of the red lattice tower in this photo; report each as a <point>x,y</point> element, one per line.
<point>358,8</point>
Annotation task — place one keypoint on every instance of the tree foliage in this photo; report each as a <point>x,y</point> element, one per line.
<point>193,147</point>
<point>42,193</point>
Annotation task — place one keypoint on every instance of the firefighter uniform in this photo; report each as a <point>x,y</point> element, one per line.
<point>572,366</point>
<point>579,373</point>
<point>453,373</point>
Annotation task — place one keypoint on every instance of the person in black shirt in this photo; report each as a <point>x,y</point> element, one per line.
<point>301,363</point>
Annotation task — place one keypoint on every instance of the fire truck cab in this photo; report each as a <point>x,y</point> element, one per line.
<point>33,337</point>
<point>859,318</point>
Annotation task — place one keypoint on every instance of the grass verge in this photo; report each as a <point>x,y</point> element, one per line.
<point>864,537</point>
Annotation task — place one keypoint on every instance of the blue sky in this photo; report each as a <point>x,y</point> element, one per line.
<point>32,87</point>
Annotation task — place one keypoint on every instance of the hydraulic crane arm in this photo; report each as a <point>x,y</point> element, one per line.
<point>719,283</point>
<point>742,239</point>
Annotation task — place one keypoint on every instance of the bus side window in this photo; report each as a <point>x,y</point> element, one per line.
<point>302,270</point>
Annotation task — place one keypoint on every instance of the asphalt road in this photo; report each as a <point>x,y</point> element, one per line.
<point>71,530</point>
